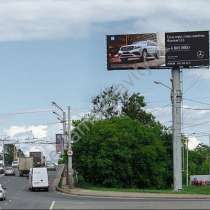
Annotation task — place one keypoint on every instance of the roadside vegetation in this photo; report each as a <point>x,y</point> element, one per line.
<point>120,145</point>
<point>204,190</point>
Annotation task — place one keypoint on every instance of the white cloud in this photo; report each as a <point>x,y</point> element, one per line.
<point>39,131</point>
<point>193,142</point>
<point>195,123</point>
<point>51,19</point>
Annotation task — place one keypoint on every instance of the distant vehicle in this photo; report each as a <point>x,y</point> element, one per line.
<point>140,50</point>
<point>15,164</point>
<point>9,171</point>
<point>2,193</point>
<point>1,168</point>
<point>24,165</point>
<point>51,166</point>
<point>38,179</point>
<point>38,159</point>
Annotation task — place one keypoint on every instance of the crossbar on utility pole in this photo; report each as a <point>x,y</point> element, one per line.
<point>176,118</point>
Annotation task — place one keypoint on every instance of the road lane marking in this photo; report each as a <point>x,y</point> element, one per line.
<point>52,205</point>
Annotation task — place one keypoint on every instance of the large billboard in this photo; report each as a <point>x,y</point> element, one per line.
<point>157,50</point>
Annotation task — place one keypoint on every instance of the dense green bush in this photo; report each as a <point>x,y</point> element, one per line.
<point>123,152</point>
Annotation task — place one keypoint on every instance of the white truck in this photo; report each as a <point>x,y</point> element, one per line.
<point>25,164</point>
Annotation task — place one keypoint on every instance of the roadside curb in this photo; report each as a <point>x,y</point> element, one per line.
<point>122,195</point>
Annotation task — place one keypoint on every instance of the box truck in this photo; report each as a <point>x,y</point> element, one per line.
<point>25,164</point>
<point>38,158</point>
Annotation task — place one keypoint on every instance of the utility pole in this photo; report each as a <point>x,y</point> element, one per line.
<point>64,131</point>
<point>67,141</point>
<point>3,153</point>
<point>187,163</point>
<point>209,154</point>
<point>176,96</point>
<point>70,153</point>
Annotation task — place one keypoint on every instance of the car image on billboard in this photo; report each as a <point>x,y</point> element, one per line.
<point>136,51</point>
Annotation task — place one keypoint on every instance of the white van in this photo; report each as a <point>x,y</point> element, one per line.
<point>38,179</point>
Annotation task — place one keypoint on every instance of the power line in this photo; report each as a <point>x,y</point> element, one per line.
<point>197,109</point>
<point>192,85</point>
<point>198,124</point>
<point>26,112</point>
<point>192,100</point>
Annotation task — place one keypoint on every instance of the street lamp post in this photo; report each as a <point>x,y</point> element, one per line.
<point>67,140</point>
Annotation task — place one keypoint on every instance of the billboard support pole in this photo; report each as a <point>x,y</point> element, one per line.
<point>176,97</point>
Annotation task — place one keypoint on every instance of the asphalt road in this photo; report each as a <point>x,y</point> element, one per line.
<point>19,197</point>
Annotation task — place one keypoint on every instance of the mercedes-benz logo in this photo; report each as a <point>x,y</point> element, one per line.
<point>200,54</point>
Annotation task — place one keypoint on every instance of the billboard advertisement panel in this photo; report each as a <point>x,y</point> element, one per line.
<point>157,50</point>
<point>59,143</point>
<point>187,49</point>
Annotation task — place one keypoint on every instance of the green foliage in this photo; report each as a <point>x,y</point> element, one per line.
<point>199,160</point>
<point>20,153</point>
<point>132,106</point>
<point>9,153</point>
<point>119,144</point>
<point>123,152</point>
<point>106,104</point>
<point>63,158</point>
<point>112,102</point>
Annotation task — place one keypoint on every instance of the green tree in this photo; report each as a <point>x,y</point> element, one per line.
<point>112,102</point>
<point>8,153</point>
<point>199,160</point>
<point>106,104</point>
<point>20,153</point>
<point>122,145</point>
<point>123,152</point>
<point>132,106</point>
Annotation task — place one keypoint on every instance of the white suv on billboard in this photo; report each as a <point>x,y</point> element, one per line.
<point>140,50</point>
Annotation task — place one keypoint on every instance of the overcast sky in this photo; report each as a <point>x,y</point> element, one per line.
<point>56,50</point>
